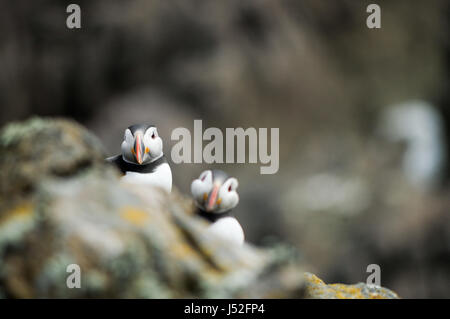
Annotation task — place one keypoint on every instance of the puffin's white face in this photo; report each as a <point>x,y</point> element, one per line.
<point>142,147</point>
<point>215,192</point>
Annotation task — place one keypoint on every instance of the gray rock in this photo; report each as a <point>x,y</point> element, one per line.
<point>62,204</point>
<point>316,288</point>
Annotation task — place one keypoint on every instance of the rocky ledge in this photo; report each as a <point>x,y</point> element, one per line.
<point>61,204</point>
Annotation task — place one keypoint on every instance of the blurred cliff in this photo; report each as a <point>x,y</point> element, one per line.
<point>362,180</point>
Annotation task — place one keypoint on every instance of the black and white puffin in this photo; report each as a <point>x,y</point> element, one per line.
<point>142,160</point>
<point>215,195</point>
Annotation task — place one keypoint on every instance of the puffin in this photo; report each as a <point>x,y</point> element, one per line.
<point>142,160</point>
<point>215,195</point>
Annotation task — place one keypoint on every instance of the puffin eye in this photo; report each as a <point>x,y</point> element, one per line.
<point>203,178</point>
<point>153,135</point>
<point>229,188</point>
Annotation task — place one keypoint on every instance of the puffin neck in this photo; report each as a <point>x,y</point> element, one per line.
<point>143,164</point>
<point>126,166</point>
<point>212,217</point>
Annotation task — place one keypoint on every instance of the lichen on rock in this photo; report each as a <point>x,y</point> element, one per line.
<point>316,288</point>
<point>62,204</point>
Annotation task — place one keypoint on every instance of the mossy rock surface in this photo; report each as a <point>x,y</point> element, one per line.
<point>62,204</point>
<point>316,288</point>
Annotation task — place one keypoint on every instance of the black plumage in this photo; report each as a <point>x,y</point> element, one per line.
<point>213,217</point>
<point>125,166</point>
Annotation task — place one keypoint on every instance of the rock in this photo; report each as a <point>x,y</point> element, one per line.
<point>62,204</point>
<point>41,148</point>
<point>316,288</point>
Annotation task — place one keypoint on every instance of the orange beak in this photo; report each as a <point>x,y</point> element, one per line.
<point>212,198</point>
<point>138,149</point>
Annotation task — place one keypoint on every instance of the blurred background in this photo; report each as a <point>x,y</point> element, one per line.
<point>364,114</point>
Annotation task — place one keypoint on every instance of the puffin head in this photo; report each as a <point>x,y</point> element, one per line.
<point>141,144</point>
<point>215,192</point>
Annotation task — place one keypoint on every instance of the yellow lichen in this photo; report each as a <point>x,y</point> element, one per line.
<point>340,295</point>
<point>314,279</point>
<point>21,211</point>
<point>134,215</point>
<point>316,288</point>
<point>349,291</point>
<point>181,250</point>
